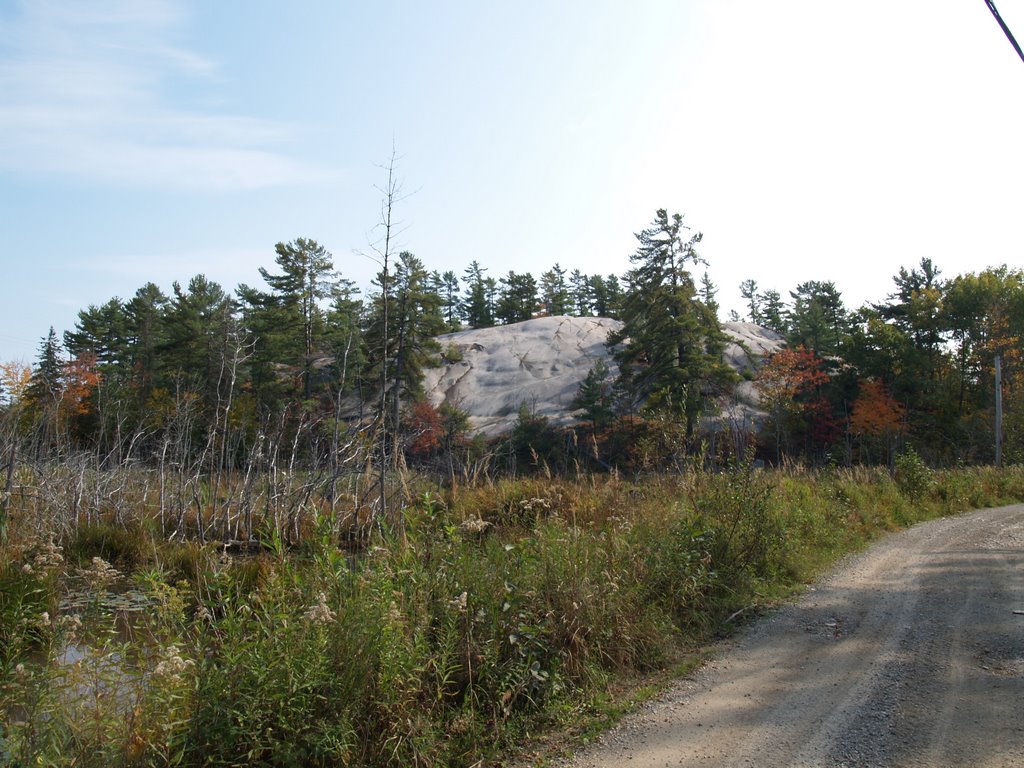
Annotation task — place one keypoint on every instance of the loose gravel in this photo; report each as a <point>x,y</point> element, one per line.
<point>910,654</point>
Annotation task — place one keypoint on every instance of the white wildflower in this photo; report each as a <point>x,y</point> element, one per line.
<point>49,556</point>
<point>460,603</point>
<point>394,614</point>
<point>475,525</point>
<point>26,568</point>
<point>100,572</point>
<point>203,614</point>
<point>319,612</point>
<point>172,666</point>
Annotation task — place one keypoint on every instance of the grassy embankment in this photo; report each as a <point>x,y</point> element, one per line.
<point>503,611</point>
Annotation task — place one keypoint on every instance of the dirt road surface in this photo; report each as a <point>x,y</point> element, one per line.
<point>910,654</point>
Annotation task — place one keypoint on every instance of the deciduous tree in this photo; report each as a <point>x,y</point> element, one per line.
<point>784,382</point>
<point>877,417</point>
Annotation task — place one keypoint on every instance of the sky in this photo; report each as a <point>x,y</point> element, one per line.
<point>152,140</point>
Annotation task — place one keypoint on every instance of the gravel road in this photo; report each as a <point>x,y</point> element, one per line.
<point>909,654</point>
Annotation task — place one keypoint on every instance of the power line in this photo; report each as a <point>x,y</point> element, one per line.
<point>1009,35</point>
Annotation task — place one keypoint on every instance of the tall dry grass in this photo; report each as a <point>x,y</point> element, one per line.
<point>502,608</point>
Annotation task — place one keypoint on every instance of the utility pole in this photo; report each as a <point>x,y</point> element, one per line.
<point>999,410</point>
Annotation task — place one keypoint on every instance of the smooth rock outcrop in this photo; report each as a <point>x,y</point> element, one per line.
<point>491,372</point>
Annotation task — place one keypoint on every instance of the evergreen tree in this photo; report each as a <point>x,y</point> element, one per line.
<point>748,291</point>
<point>288,322</point>
<point>447,287</point>
<point>201,332</point>
<point>817,319</point>
<point>773,312</point>
<point>582,300</point>
<point>475,307</point>
<point>491,298</point>
<point>606,296</point>
<point>599,296</point>
<point>670,345</point>
<point>146,333</point>
<point>103,332</point>
<point>708,291</point>
<point>595,398</point>
<point>414,320</point>
<point>45,384</point>
<point>554,293</point>
<point>306,278</point>
<point>915,306</point>
<point>517,300</point>
<point>344,334</point>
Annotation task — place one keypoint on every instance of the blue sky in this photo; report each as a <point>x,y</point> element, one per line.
<point>155,139</point>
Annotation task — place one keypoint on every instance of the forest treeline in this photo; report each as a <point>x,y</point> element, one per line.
<point>308,358</point>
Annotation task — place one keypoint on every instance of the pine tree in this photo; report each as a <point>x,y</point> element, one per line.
<point>670,345</point>
<point>517,300</point>
<point>748,291</point>
<point>606,296</point>
<point>773,312</point>
<point>818,319</point>
<point>475,307</point>
<point>616,295</point>
<point>288,323</point>
<point>399,358</point>
<point>708,291</point>
<point>582,300</point>
<point>146,335</point>
<point>595,396</point>
<point>200,327</point>
<point>554,294</point>
<point>344,334</point>
<point>45,384</point>
<point>102,331</point>
<point>447,287</point>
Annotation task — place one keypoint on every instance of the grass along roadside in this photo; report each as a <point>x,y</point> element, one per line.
<point>507,610</point>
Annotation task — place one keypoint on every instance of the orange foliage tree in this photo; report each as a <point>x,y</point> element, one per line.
<point>784,381</point>
<point>81,378</point>
<point>877,417</point>
<point>425,429</point>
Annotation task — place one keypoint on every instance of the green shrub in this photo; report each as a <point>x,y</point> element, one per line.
<point>747,535</point>
<point>28,604</point>
<point>913,476</point>
<point>498,609</point>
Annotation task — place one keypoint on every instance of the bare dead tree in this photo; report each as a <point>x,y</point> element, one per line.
<point>387,229</point>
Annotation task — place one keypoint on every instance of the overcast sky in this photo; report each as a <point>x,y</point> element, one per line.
<point>150,140</point>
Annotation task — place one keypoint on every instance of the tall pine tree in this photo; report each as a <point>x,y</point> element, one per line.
<point>414,319</point>
<point>670,346</point>
<point>288,322</point>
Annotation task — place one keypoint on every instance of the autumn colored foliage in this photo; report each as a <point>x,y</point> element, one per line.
<point>875,412</point>
<point>14,380</point>
<point>788,374</point>
<point>81,378</point>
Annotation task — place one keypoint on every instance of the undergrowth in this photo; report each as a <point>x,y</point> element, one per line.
<point>503,609</point>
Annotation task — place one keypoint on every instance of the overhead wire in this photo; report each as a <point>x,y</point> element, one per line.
<point>1009,35</point>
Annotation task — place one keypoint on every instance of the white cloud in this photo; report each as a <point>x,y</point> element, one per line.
<point>83,95</point>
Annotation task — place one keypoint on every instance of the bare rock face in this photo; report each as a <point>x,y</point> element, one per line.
<point>491,372</point>
<point>749,346</point>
